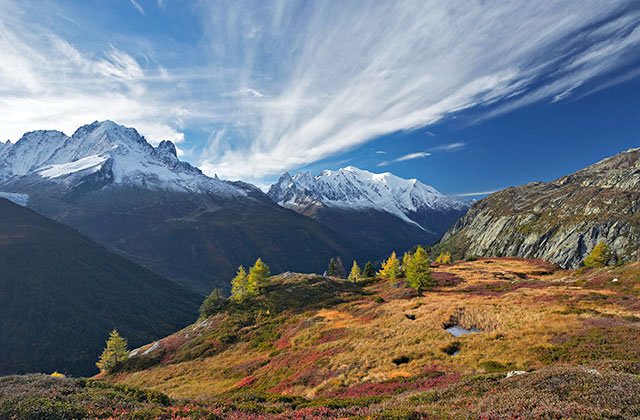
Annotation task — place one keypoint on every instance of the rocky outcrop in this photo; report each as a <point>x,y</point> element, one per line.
<point>559,221</point>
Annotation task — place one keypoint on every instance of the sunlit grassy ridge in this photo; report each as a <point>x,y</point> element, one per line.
<point>320,337</point>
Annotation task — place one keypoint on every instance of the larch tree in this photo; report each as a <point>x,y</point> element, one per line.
<point>114,353</point>
<point>390,268</point>
<point>598,257</point>
<point>258,278</point>
<point>355,275</point>
<point>444,258</point>
<point>418,271</point>
<point>239,285</point>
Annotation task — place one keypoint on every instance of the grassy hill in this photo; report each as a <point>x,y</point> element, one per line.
<point>61,294</point>
<point>544,342</point>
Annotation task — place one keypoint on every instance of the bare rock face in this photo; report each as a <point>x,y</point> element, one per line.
<point>559,221</point>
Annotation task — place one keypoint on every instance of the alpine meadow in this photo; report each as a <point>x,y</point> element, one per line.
<point>288,209</point>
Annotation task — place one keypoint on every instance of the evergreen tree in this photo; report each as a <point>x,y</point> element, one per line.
<point>114,353</point>
<point>368,271</point>
<point>390,268</point>
<point>332,268</point>
<point>418,271</point>
<point>340,271</point>
<point>239,290</point>
<point>598,257</point>
<point>258,278</point>
<point>212,304</point>
<point>444,258</point>
<point>355,274</point>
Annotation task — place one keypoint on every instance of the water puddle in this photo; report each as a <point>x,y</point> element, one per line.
<point>458,331</point>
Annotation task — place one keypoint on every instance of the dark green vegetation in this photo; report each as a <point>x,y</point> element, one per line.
<point>61,295</point>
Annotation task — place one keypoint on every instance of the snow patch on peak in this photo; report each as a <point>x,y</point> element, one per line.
<point>91,163</point>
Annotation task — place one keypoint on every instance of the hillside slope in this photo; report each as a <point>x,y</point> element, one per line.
<point>61,294</point>
<point>321,338</point>
<point>559,221</point>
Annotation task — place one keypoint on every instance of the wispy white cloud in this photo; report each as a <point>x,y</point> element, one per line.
<point>285,84</point>
<point>410,156</point>
<point>450,147</point>
<point>138,7</point>
<point>356,72</point>
<point>381,152</point>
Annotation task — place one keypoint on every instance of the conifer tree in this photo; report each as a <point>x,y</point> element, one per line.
<point>407,260</point>
<point>239,289</point>
<point>258,278</point>
<point>115,352</point>
<point>368,271</point>
<point>598,257</point>
<point>212,303</point>
<point>444,258</point>
<point>355,275</point>
<point>390,268</point>
<point>418,271</point>
<point>332,268</point>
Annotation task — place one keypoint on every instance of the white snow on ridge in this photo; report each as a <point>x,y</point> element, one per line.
<point>92,163</point>
<point>19,199</point>
<point>54,156</point>
<point>354,188</point>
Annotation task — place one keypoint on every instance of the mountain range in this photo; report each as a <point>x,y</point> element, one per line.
<point>109,183</point>
<point>141,201</point>
<point>559,221</point>
<point>382,212</point>
<point>61,294</point>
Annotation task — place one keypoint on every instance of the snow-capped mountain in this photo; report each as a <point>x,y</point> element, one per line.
<point>110,152</point>
<point>110,184</point>
<point>352,188</point>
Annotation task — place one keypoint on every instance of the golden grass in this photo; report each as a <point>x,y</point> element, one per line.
<point>365,336</point>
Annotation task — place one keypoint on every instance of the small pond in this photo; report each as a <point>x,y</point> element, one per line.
<point>458,331</point>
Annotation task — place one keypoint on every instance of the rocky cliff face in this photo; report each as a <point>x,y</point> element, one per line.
<point>559,221</point>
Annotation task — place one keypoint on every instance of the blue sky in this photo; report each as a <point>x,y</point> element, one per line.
<point>469,96</point>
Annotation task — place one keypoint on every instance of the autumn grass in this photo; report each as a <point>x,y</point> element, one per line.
<point>318,338</point>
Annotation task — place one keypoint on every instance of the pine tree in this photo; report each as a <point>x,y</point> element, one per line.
<point>418,271</point>
<point>390,268</point>
<point>598,257</point>
<point>258,278</point>
<point>444,258</point>
<point>114,353</point>
<point>212,304</point>
<point>355,275</point>
<point>340,271</point>
<point>332,268</point>
<point>239,290</point>
<point>368,271</point>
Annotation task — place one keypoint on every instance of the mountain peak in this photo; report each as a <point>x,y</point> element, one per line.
<point>354,188</point>
<point>118,153</point>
